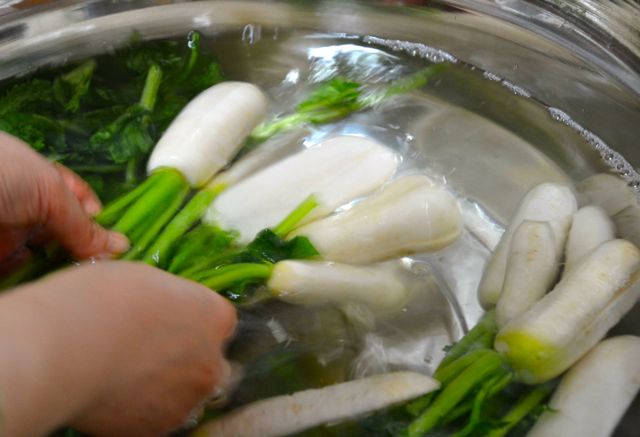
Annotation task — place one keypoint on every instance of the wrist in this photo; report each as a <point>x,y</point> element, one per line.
<point>43,385</point>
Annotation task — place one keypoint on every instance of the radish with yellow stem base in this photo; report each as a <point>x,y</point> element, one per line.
<point>560,328</point>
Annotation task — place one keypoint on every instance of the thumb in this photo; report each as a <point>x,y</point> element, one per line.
<point>68,222</point>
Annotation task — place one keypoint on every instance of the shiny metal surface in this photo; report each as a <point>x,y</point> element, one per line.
<point>579,56</point>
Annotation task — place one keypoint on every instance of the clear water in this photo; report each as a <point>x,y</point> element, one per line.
<point>488,139</point>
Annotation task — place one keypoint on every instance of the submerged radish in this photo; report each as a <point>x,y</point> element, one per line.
<point>410,215</point>
<point>594,394</point>
<point>284,415</point>
<point>532,266</point>
<point>591,227</point>
<point>548,202</point>
<point>560,328</point>
<point>317,282</point>
<point>607,191</point>
<point>209,131</point>
<point>334,172</point>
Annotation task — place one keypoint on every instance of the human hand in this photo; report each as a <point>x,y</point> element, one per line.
<point>35,193</point>
<point>113,348</point>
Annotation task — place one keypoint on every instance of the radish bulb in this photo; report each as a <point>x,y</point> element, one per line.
<point>532,267</point>
<point>548,202</point>
<point>607,191</point>
<point>290,414</point>
<point>410,215</point>
<point>201,140</point>
<point>209,131</point>
<point>560,328</point>
<point>594,394</point>
<point>591,227</point>
<point>318,282</point>
<point>334,172</point>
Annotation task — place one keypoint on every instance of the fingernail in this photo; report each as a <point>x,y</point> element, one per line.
<point>92,207</point>
<point>117,243</point>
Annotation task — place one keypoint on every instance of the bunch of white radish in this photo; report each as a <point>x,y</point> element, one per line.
<point>539,326</point>
<point>409,215</point>
<point>334,172</point>
<point>544,334</point>
<point>201,140</point>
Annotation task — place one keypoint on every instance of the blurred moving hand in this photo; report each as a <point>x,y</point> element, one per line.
<point>37,196</point>
<point>112,348</point>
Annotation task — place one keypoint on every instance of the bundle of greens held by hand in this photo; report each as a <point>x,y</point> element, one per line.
<point>91,119</point>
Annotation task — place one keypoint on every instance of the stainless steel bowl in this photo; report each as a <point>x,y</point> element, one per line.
<point>579,58</point>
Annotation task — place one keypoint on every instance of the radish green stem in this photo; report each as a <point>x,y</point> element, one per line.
<point>476,410</point>
<point>182,265</point>
<point>134,222</point>
<point>151,85</point>
<point>447,373</point>
<point>524,406</point>
<point>150,234</point>
<point>479,337</point>
<point>226,276</point>
<point>490,365</point>
<point>496,387</point>
<point>114,210</point>
<point>194,51</point>
<point>291,221</point>
<point>160,253</point>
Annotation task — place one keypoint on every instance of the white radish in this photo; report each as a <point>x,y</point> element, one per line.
<point>266,154</point>
<point>209,131</point>
<point>285,415</point>
<point>335,172</point>
<point>560,328</point>
<point>317,282</point>
<point>594,394</point>
<point>410,215</point>
<point>532,267</point>
<point>627,223</point>
<point>548,202</point>
<point>591,227</point>
<point>607,191</point>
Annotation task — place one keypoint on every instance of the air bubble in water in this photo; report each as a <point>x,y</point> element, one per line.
<point>613,159</point>
<point>414,49</point>
<point>251,33</point>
